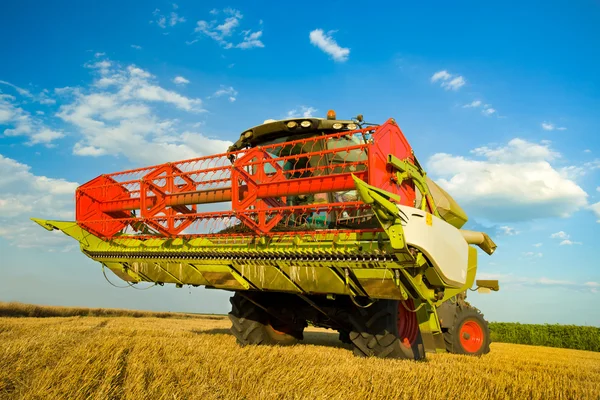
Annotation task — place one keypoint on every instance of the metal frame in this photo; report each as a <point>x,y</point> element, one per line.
<point>162,201</point>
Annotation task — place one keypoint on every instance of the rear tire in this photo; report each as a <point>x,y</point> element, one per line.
<point>253,325</point>
<point>387,330</point>
<point>470,334</point>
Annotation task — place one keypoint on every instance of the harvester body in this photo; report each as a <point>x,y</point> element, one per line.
<point>320,221</point>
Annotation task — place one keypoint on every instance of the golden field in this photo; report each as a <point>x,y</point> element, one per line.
<point>194,357</point>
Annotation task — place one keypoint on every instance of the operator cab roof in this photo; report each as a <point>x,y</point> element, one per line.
<point>286,128</point>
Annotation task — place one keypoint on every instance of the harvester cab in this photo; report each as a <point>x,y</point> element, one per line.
<point>327,222</point>
<point>312,158</point>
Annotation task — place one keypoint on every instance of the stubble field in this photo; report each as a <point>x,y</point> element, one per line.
<point>196,358</point>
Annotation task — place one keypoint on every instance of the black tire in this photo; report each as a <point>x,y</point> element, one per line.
<point>470,324</point>
<point>375,332</point>
<point>344,337</point>
<point>252,325</point>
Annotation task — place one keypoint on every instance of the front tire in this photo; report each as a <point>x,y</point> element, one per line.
<point>470,334</point>
<point>387,329</point>
<point>253,325</point>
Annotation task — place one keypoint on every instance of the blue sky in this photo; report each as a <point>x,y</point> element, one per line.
<point>500,103</point>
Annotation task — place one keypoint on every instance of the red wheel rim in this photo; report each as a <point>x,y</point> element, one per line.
<point>408,326</point>
<point>277,331</point>
<point>471,336</point>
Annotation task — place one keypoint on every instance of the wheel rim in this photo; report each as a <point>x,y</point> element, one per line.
<point>284,331</point>
<point>471,336</point>
<point>408,326</point>
<point>277,332</point>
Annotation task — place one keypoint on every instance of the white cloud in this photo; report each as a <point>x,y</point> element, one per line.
<point>21,123</point>
<point>548,126</point>
<point>587,151</point>
<point>99,54</point>
<point>251,39</point>
<point>42,97</point>
<point>596,208</point>
<point>223,31</point>
<point>158,94</point>
<point>538,245</point>
<point>8,111</point>
<point>24,195</point>
<point>546,281</point>
<point>508,231</point>
<point>175,19</point>
<point>568,242</point>
<point>45,136</point>
<point>229,25</point>
<point>573,171</point>
<point>454,83</point>
<point>180,80</point>
<point>134,84</point>
<point>302,111</point>
<point>103,66</point>
<point>20,90</point>
<point>135,46</point>
<point>473,104</point>
<point>441,75</point>
<point>327,44</point>
<point>592,165</point>
<point>117,114</point>
<point>448,81</point>
<point>228,91</point>
<point>488,111</point>
<point>559,235</point>
<point>518,150</point>
<point>514,182</point>
<point>532,254</point>
<point>519,280</point>
<point>565,238</point>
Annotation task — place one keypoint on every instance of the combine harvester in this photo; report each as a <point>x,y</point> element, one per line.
<point>328,222</point>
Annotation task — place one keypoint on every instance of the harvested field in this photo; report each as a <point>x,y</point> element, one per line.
<point>196,358</point>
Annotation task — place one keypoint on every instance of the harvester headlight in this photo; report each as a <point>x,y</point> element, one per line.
<point>351,126</point>
<point>292,124</point>
<point>337,125</point>
<point>305,124</point>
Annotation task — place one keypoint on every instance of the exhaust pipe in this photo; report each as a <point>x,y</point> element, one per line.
<point>481,239</point>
